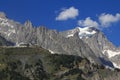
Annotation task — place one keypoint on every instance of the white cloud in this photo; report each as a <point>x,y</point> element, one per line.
<point>66,14</point>
<point>107,19</point>
<point>88,22</point>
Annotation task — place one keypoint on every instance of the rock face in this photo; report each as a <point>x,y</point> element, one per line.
<point>48,39</point>
<point>86,42</point>
<point>4,42</point>
<point>97,41</point>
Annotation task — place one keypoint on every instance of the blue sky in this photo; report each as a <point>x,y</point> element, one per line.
<point>67,14</point>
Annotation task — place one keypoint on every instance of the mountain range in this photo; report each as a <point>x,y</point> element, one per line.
<point>88,42</point>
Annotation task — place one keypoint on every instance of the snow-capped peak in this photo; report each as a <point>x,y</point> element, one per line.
<point>85,32</point>
<point>82,32</point>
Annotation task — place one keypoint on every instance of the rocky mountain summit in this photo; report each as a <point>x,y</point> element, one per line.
<point>87,42</point>
<point>98,42</point>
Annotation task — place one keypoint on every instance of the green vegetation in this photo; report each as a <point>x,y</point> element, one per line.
<point>35,63</point>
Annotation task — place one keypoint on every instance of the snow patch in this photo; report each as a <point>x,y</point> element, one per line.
<point>51,51</point>
<point>8,34</point>
<point>111,53</point>
<point>108,67</point>
<point>116,65</point>
<point>21,44</point>
<point>82,32</point>
<point>85,32</point>
<point>70,35</point>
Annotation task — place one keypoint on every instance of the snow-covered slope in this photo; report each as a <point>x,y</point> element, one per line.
<point>82,32</point>
<point>86,32</point>
<point>111,53</point>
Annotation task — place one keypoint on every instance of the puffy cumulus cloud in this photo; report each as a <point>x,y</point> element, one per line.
<point>88,22</point>
<point>104,21</point>
<point>107,19</point>
<point>66,14</point>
